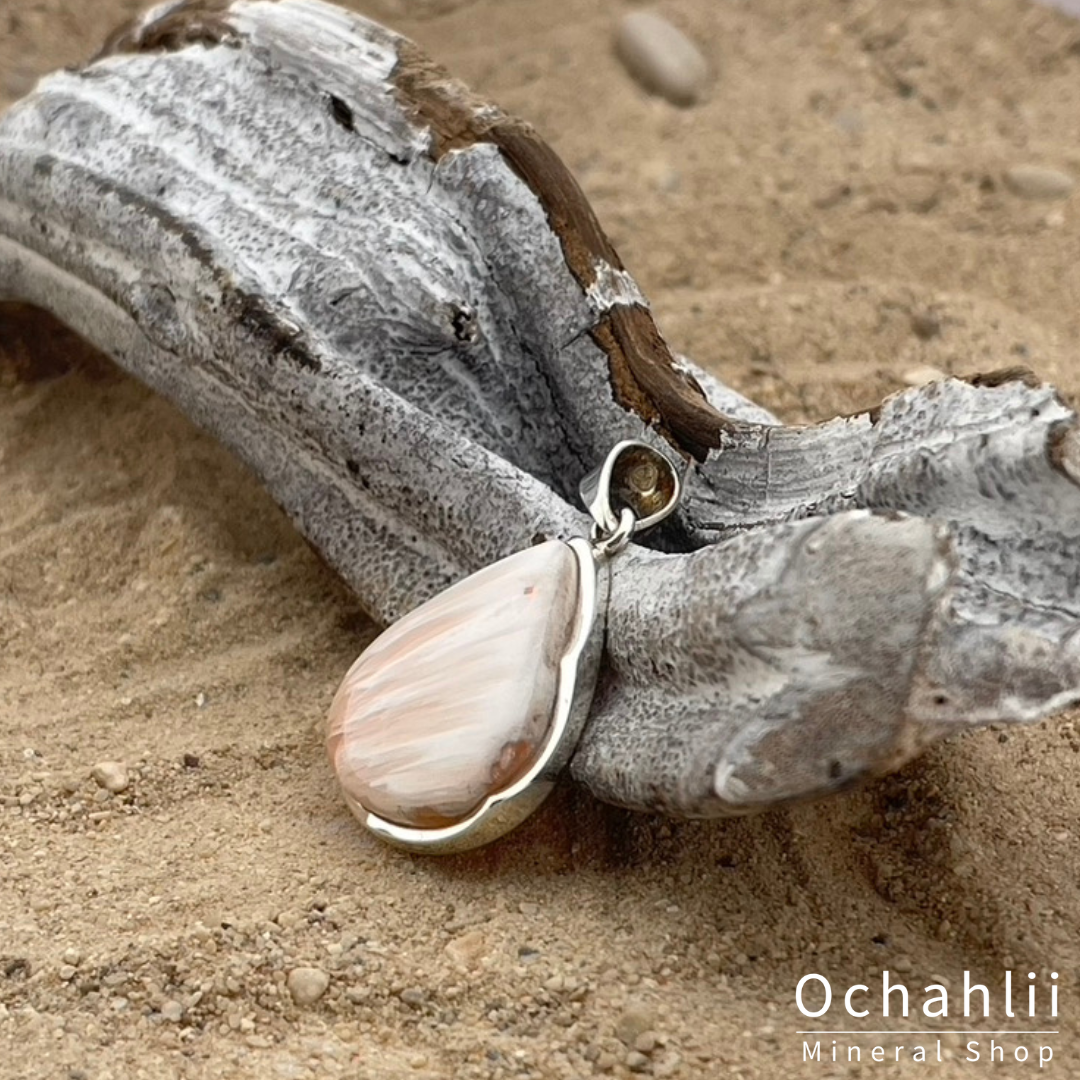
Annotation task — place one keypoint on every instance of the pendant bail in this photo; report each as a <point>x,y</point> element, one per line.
<point>634,489</point>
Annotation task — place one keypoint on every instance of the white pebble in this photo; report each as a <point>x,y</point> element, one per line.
<point>661,58</point>
<point>111,775</point>
<point>172,1011</point>
<point>1038,182</point>
<point>307,984</point>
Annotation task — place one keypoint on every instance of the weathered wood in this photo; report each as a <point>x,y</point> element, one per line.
<point>395,304</point>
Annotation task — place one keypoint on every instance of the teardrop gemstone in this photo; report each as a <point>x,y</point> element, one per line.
<point>454,702</point>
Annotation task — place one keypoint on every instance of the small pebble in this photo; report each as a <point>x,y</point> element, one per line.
<point>635,1020</point>
<point>661,58</point>
<point>926,324</point>
<point>923,375</point>
<point>414,997</point>
<point>172,1011</point>
<point>1038,182</point>
<point>645,1043</point>
<point>467,949</point>
<point>636,1062</point>
<point>668,1065</point>
<point>307,984</point>
<point>111,775</point>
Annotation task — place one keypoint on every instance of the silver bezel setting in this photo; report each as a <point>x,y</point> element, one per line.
<point>503,810</point>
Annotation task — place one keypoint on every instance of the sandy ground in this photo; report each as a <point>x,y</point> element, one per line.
<point>830,219</point>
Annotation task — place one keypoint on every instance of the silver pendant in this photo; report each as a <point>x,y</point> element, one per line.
<point>452,726</point>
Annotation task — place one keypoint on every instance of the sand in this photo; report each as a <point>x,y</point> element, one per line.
<point>830,220</point>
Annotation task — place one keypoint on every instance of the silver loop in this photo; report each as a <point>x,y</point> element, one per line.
<point>633,476</point>
<point>609,544</point>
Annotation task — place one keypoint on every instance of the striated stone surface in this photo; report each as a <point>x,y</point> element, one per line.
<point>454,701</point>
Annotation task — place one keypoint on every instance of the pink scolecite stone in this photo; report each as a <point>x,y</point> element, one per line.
<point>454,701</point>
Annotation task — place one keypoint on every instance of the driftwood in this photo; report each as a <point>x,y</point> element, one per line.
<point>394,303</point>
